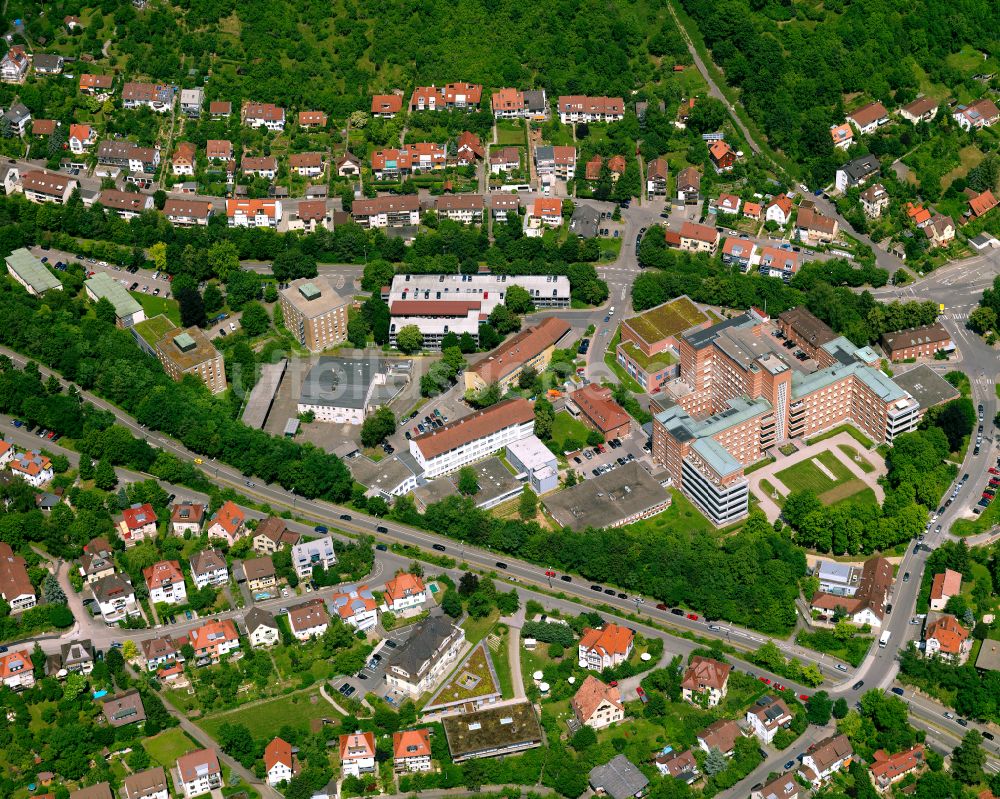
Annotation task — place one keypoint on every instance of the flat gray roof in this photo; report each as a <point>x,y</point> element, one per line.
<point>262,394</point>
<point>32,271</point>
<point>606,500</point>
<point>989,656</point>
<point>384,475</point>
<point>340,382</point>
<point>926,386</point>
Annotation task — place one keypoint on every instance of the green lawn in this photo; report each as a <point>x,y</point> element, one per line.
<point>154,328</point>
<point>681,515</point>
<point>863,463</point>
<point>565,426</point>
<point>611,359</point>
<point>457,689</point>
<point>805,475</point>
<point>477,629</point>
<point>501,664</point>
<point>158,305</point>
<point>166,747</point>
<point>851,430</point>
<point>267,718</point>
<point>510,133</point>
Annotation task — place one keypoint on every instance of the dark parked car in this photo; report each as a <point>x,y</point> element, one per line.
<point>381,529</point>
<point>857,685</point>
<point>677,612</point>
<point>438,547</point>
<point>609,591</point>
<point>501,564</point>
<point>345,517</point>
<point>566,578</point>
<point>381,547</point>
<point>596,588</point>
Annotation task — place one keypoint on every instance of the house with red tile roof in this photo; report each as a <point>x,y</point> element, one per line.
<point>981,114</point>
<point>357,754</point>
<point>605,648</point>
<point>698,238</point>
<point>722,735</point>
<point>869,118</point>
<point>280,765</point>
<point>215,638</point>
<point>16,670</point>
<point>705,681</point>
<point>842,135</point>
<point>923,109</point>
<point>356,607</point>
<point>308,165</point>
<point>917,214</point>
<point>728,204</point>
<point>597,704</point>
<point>752,210</point>
<point>137,524</point>
<point>264,115</point>
<point>411,750</point>
<point>386,106</point>
<point>617,166</point>
<point>218,150</point>
<point>980,203</point>
<point>32,467</point>
<point>452,95</point>
<point>403,592</point>
<point>253,213</point>
<point>595,406</point>
<point>44,127</point>
<point>15,584</point>
<point>81,138</point>
<point>656,176</point>
<point>165,582</point>
<point>312,119</point>
<point>779,210</point>
<point>183,160</point>
<point>96,84</point>
<point>395,163</point>
<point>887,769</point>
<point>198,773</point>
<point>948,639</point>
<point>580,108</point>
<point>229,522</point>
<point>723,156</point>
<point>219,109</point>
<point>945,585</point>
<point>469,149</point>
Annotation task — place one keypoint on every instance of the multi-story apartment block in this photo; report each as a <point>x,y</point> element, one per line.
<point>16,670</point>
<point>453,95</point>
<point>357,754</point>
<point>229,523</point>
<point>190,352</point>
<point>917,342</point>
<point>81,138</point>
<point>306,555</point>
<point>597,705</point>
<point>127,204</point>
<point>387,211</point>
<point>579,108</point>
<point>473,437</point>
<point>308,620</point>
<point>705,681</point>
<point>411,750</point>
<point>515,104</point>
<point>314,313</point>
<point>187,212</point>
<point>42,186</point>
<point>825,758</point>
<point>198,773</point>
<point>273,534</point>
<point>740,393</point>
<point>394,164</point>
<point>532,348</point>
<point>137,524</point>
<point>116,598</point>
<point>148,784</point>
<point>128,155</point>
<point>556,161</point>
<point>426,656</point>
<point>648,349</point>
<point>464,208</point>
<point>253,213</point>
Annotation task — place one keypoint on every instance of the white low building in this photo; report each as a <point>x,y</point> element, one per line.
<point>309,554</point>
<point>473,437</point>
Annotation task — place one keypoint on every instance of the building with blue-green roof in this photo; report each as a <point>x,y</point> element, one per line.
<point>747,386</point>
<point>31,273</point>
<point>128,311</point>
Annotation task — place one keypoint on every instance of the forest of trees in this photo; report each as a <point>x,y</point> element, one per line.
<point>97,356</point>
<point>749,578</point>
<point>795,63</point>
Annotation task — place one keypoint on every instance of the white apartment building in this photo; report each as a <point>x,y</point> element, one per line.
<point>308,554</point>
<point>473,438</point>
<point>165,582</point>
<point>547,291</point>
<point>198,773</point>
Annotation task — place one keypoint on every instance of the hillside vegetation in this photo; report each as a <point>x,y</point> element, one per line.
<point>801,65</point>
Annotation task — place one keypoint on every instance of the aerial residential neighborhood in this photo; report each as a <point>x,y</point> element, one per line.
<point>523,401</point>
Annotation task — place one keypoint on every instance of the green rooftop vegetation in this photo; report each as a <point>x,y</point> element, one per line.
<point>669,319</point>
<point>475,678</point>
<point>649,363</point>
<point>154,328</point>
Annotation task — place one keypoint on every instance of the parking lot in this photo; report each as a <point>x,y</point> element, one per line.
<point>432,415</point>
<point>144,280</point>
<point>371,679</point>
<point>612,456</point>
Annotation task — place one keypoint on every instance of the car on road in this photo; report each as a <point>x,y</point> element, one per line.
<point>906,577</point>
<point>566,578</point>
<point>319,528</point>
<point>381,529</point>
<point>381,547</point>
<point>549,573</point>
<point>501,564</point>
<point>948,715</point>
<point>693,616</point>
<point>897,690</point>
<point>789,764</point>
<point>345,517</point>
<point>622,596</point>
<point>596,588</point>
<point>641,694</point>
<point>764,680</point>
<point>962,722</point>
<point>438,547</point>
<point>609,591</point>
<point>607,318</point>
<point>677,612</point>
<point>989,736</point>
<point>857,686</point>
<point>841,667</point>
<point>778,687</point>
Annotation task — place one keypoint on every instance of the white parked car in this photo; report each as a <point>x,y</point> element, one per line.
<point>232,326</point>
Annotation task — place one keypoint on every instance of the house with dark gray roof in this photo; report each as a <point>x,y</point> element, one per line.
<point>619,778</point>
<point>428,653</point>
<point>585,222</point>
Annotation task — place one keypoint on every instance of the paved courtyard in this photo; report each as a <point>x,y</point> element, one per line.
<point>809,453</point>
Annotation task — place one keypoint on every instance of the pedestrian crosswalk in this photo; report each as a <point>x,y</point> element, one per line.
<point>958,316</point>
